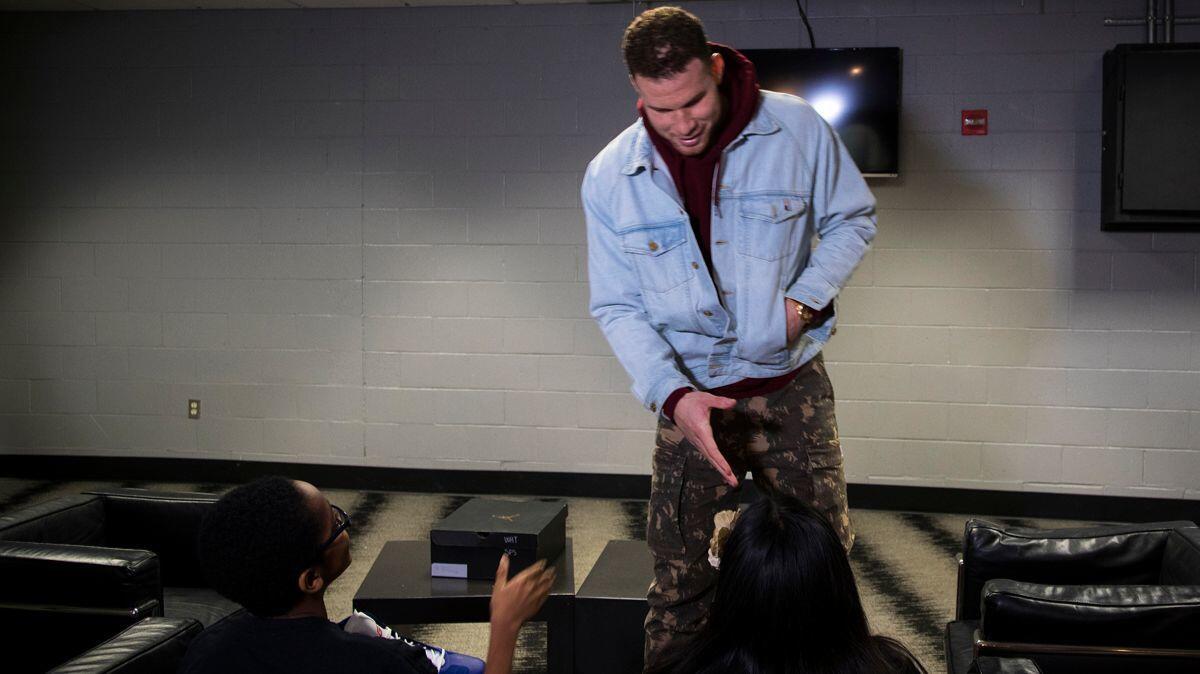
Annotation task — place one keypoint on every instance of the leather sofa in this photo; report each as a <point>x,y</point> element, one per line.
<point>1097,599</point>
<point>80,569</point>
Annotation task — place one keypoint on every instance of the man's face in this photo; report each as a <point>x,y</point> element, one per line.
<point>336,558</point>
<point>685,108</point>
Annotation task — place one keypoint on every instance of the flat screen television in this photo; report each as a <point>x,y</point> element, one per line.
<point>1150,145</point>
<point>856,90</point>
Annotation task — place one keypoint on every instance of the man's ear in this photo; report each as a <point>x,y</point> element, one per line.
<point>717,67</point>
<point>311,581</point>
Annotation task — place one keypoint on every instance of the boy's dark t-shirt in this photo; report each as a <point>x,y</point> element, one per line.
<point>247,643</point>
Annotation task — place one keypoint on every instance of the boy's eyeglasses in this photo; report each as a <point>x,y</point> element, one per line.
<point>341,522</point>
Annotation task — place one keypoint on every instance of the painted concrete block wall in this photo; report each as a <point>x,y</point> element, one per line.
<point>355,235</point>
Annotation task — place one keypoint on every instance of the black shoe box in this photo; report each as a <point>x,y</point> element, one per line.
<point>469,542</point>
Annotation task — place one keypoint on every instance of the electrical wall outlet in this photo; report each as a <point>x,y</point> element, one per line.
<point>193,409</point>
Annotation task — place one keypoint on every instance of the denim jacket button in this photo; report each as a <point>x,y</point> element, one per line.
<point>707,313</point>
<point>695,265</point>
<point>653,246</point>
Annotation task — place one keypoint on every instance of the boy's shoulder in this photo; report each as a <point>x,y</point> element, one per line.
<point>247,643</point>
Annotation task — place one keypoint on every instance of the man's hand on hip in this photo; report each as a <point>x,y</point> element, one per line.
<point>693,416</point>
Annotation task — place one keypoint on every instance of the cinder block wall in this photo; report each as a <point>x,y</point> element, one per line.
<point>355,236</point>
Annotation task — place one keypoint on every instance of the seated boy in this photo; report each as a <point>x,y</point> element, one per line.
<point>274,546</point>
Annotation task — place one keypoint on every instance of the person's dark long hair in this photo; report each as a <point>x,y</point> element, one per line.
<point>786,603</point>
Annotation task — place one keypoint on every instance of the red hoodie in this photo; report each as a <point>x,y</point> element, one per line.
<point>693,178</point>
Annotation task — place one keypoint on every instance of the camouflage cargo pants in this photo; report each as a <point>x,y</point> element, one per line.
<point>787,439</point>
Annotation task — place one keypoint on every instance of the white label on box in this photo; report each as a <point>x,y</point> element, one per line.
<point>443,570</point>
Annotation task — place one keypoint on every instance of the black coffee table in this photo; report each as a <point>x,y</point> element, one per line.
<point>610,609</point>
<point>398,590</point>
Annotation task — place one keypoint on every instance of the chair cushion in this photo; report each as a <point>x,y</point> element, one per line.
<point>960,645</point>
<point>200,604</point>
<point>1149,616</point>
<point>1112,555</point>
<point>74,520</point>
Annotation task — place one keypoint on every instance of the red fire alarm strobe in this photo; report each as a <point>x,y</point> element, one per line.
<point>974,122</point>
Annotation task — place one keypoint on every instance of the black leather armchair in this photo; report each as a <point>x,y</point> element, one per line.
<point>79,569</point>
<point>1097,599</point>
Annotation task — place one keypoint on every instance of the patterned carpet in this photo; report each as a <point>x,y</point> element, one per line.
<point>904,562</point>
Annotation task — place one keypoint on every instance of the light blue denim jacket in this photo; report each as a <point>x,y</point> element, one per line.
<point>786,180</point>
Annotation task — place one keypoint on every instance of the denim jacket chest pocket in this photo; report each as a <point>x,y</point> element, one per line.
<point>658,253</point>
<point>767,225</point>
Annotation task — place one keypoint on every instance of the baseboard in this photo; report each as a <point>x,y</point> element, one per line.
<point>1021,504</point>
<point>871,496</point>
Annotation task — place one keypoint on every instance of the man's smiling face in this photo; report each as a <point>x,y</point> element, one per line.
<point>685,108</point>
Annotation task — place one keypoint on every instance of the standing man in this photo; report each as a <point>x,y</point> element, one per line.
<point>701,218</point>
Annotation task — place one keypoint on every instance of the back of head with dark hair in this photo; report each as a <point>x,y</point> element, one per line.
<point>786,602</point>
<point>256,541</point>
<point>661,42</point>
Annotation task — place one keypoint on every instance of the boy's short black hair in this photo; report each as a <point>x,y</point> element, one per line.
<point>661,42</point>
<point>256,541</point>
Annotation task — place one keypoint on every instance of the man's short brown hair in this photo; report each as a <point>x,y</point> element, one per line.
<point>661,42</point>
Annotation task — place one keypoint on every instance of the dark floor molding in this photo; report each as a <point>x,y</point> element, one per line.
<point>1093,508</point>
<point>873,496</point>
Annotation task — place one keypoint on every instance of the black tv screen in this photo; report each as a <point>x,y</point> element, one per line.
<point>856,90</point>
<point>1150,147</point>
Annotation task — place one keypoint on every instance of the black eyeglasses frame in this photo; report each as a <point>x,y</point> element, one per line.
<point>341,523</point>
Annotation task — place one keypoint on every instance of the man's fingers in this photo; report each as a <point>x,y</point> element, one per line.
<point>723,403</point>
<point>709,448</point>
<point>723,468</point>
<point>697,428</point>
<point>707,445</point>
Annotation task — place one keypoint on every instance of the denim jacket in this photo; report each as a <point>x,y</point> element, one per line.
<point>784,182</point>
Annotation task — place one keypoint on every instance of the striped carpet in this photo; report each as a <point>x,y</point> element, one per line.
<point>904,562</point>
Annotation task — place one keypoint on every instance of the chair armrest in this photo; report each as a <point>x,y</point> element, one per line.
<point>77,575</point>
<point>49,635</point>
<point>75,520</point>
<point>166,523</point>
<point>152,645</point>
<point>994,665</point>
<point>1108,555</point>
<point>153,496</point>
<point>1135,616</point>
<point>1181,560</point>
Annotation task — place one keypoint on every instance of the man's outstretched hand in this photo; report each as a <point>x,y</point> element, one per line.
<point>692,416</point>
